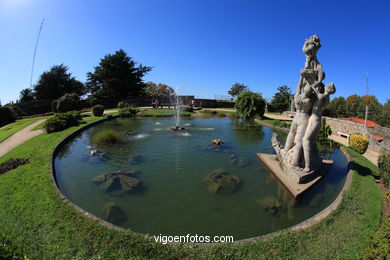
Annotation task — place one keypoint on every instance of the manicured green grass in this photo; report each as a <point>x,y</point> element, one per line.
<point>160,112</point>
<point>38,223</point>
<point>8,130</point>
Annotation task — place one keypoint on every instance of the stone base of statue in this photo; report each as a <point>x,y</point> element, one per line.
<point>289,180</point>
<point>296,180</point>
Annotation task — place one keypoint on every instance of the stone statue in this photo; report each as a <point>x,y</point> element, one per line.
<point>300,155</point>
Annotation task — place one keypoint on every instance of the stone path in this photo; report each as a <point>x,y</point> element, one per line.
<point>20,137</point>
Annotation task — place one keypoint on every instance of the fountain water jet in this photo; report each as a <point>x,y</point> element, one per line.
<point>177,107</point>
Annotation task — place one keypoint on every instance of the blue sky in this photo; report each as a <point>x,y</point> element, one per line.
<point>200,47</point>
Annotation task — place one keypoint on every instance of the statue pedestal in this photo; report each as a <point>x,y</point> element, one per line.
<point>296,182</point>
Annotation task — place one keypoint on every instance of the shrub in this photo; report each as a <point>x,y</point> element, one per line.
<point>277,123</point>
<point>17,111</point>
<point>358,142</point>
<point>249,105</point>
<point>12,164</point>
<point>61,121</point>
<point>384,167</point>
<point>123,104</point>
<point>189,109</point>
<point>54,106</point>
<point>107,137</point>
<point>98,110</point>
<point>68,102</point>
<point>128,111</point>
<point>325,131</point>
<point>7,115</point>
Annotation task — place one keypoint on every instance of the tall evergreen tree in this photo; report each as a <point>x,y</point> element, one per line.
<point>116,77</point>
<point>57,82</point>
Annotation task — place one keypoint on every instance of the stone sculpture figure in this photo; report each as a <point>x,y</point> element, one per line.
<point>300,155</point>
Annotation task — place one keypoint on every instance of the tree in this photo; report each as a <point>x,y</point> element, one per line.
<point>158,90</point>
<point>281,100</point>
<point>236,89</point>
<point>337,108</point>
<point>384,116</point>
<point>26,95</point>
<point>57,82</point>
<point>249,105</point>
<point>116,77</point>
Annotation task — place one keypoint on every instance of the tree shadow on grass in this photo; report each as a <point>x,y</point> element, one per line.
<point>362,170</point>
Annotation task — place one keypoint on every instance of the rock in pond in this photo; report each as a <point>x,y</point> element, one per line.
<point>271,204</point>
<point>113,213</point>
<point>219,181</point>
<point>217,142</point>
<point>120,180</point>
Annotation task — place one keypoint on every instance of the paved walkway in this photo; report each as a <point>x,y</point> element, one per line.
<point>20,137</point>
<point>278,117</point>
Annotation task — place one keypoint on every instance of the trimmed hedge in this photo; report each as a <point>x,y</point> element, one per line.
<point>98,110</point>
<point>358,142</point>
<point>61,121</point>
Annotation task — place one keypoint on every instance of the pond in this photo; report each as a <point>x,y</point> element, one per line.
<point>175,194</point>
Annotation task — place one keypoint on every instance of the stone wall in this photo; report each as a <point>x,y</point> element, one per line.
<point>348,127</point>
<point>212,103</point>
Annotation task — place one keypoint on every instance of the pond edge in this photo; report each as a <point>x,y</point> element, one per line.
<point>300,226</point>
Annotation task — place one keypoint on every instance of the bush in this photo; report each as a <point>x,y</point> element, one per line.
<point>54,106</point>
<point>68,102</point>
<point>249,105</point>
<point>123,104</point>
<point>61,121</point>
<point>17,111</point>
<point>128,111</point>
<point>384,167</point>
<point>7,115</point>
<point>107,137</point>
<point>98,110</point>
<point>358,142</point>
<point>189,109</point>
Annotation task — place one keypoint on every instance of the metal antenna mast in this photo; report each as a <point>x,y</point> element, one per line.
<point>365,117</point>
<point>35,52</point>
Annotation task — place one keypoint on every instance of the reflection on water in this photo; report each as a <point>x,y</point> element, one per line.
<point>169,194</point>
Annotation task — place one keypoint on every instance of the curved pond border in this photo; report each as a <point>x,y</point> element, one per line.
<point>303,225</point>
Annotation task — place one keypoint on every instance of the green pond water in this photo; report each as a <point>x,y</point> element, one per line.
<point>173,198</point>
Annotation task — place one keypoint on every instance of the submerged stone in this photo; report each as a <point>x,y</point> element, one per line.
<point>239,161</point>
<point>137,159</point>
<point>271,204</point>
<point>113,213</point>
<point>219,181</point>
<point>121,180</point>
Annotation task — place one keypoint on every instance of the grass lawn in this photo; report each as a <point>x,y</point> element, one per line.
<point>160,112</point>
<point>8,130</point>
<point>34,220</point>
